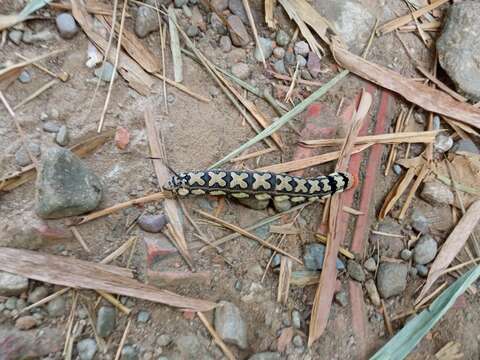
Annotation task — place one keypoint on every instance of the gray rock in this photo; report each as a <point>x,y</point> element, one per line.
<point>105,321</point>
<point>372,292</point>
<point>219,5</point>
<point>436,122</point>
<point>301,48</point>
<point>225,44</point>
<point>422,270</point>
<point>370,265</point>
<point>413,272</point>
<point>437,194</point>
<point>56,307</point>
<point>279,52</point>
<point>30,37</point>
<point>21,304</point>
<point>146,21</point>
<point>37,294</point>
<point>267,48</point>
<point>351,19</point>
<point>11,303</point>
<point>241,71</point>
<point>465,145</point>
<point>191,348</point>
<point>230,325</point>
<point>15,36</point>
<point>266,356</point>
<point>105,72</point>
<point>282,38</point>
<point>152,223</point>
<point>192,31</point>
<point>289,58</point>
<point>65,186</point>
<point>143,316</point>
<point>179,3</point>
<point>217,24</point>
<point>406,254</point>
<point>276,261</point>
<point>279,67</point>
<point>25,77</point>
<point>397,169</point>
<point>341,298</point>
<point>313,64</point>
<point>86,349</point>
<point>355,271</point>
<point>62,137</point>
<point>296,319</point>
<point>21,156</point>
<point>281,206</point>
<point>313,257</point>
<point>236,7</point>
<point>458,48</point>
<point>298,341</point>
<point>389,246</point>
<point>188,13</point>
<point>391,279</point>
<point>443,143</point>
<point>305,75</point>
<point>164,340</point>
<point>425,250</point>
<point>301,61</point>
<point>129,353</point>
<point>419,222</point>
<point>238,32</point>
<point>12,285</point>
<point>253,203</point>
<point>66,25</point>
<point>50,127</point>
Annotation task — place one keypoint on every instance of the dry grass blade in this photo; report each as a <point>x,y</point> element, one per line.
<point>253,155</point>
<point>96,8</point>
<point>441,85</point>
<point>122,340</point>
<point>9,20</point>
<point>269,18</point>
<point>246,5</point>
<point>396,192</point>
<point>416,184</point>
<point>450,351</point>
<point>79,238</point>
<point>175,45</point>
<point>452,246</point>
<point>36,93</point>
<point>284,280</point>
<point>76,273</point>
<point>341,250</point>
<point>114,302</point>
<point>426,97</point>
<point>218,340</point>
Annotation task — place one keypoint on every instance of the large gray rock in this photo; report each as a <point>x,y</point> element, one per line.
<point>12,284</point>
<point>391,279</point>
<point>65,186</point>
<point>230,325</point>
<point>458,47</point>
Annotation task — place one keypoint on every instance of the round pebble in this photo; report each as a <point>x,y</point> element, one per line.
<point>66,25</point>
<point>296,319</point>
<point>11,303</point>
<point>241,71</point>
<point>425,250</point>
<point>397,169</point>
<point>37,294</point>
<point>129,353</point>
<point>422,270</point>
<point>62,136</point>
<point>298,341</point>
<point>152,223</point>
<point>105,72</point>
<point>50,127</point>
<point>25,77</point>
<point>279,52</point>
<point>443,143</point>
<point>276,261</point>
<point>192,31</point>
<point>301,61</point>
<point>282,38</point>
<point>370,265</point>
<point>301,48</point>
<point>226,44</point>
<point>86,349</point>
<point>15,36</point>
<point>406,254</point>
<point>25,322</point>
<point>164,340</point>
<point>56,307</point>
<point>21,304</point>
<point>355,271</point>
<point>143,316</point>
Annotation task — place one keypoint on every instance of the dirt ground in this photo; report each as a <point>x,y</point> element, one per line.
<point>196,135</point>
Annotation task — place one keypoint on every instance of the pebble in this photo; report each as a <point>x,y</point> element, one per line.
<point>21,156</point>
<point>372,292</point>
<point>281,206</point>
<point>276,261</point>
<point>419,222</point>
<point>406,254</point>
<point>129,353</point>
<point>289,58</point>
<point>219,5</point>
<point>192,31</point>
<point>279,52</point>
<point>238,285</point>
<point>65,186</point>
<point>164,340</point>
<point>241,71</point>
<point>282,38</point>
<point>21,304</point>
<point>25,77</point>
<point>296,319</point>
<point>313,64</point>
<point>171,98</point>
<point>301,48</point>
<point>225,44</point>
<point>267,47</point>
<point>279,67</point>
<point>62,137</point>
<point>355,271</point>
<point>253,203</point>
<point>11,303</point>
<point>217,24</point>
<point>297,341</point>
<point>397,169</point>
<point>105,321</point>
<point>190,347</point>
<point>436,122</point>
<point>422,270</point>
<point>301,61</point>
<point>237,8</point>
<point>105,72</point>
<point>56,307</point>
<point>146,21</point>
<point>238,32</point>
<point>391,279</point>
<point>143,316</point>
<point>51,127</point>
<point>30,37</point>
<point>443,143</point>
<point>266,356</point>
<point>370,265</point>
<point>66,25</point>
<point>425,250</point>
<point>413,271</point>
<point>230,325</point>
<point>341,298</point>
<point>313,257</point>
<point>466,145</point>
<point>152,223</point>
<point>86,349</point>
<point>188,13</point>
<point>179,3</point>
<point>25,322</point>
<point>12,285</point>
<point>436,193</point>
<point>15,36</point>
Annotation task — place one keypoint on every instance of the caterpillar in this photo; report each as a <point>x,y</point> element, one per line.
<point>261,185</point>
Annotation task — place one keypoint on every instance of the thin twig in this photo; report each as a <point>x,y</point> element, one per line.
<point>124,338</point>
<point>218,340</point>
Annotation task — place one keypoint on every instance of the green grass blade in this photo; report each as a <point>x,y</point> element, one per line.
<point>285,118</point>
<point>33,6</point>
<point>406,339</point>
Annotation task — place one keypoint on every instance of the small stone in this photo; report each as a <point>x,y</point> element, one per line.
<point>313,257</point>
<point>301,61</point>
<point>313,64</point>
<point>30,37</point>
<point>341,298</point>
<point>466,145</point>
<point>237,8</point>
<point>281,206</point>
<point>180,3</point>
<point>214,92</point>
<point>397,169</point>
<point>62,137</point>
<point>12,285</point>
<point>267,49</point>
<point>413,271</point>
<point>276,261</point>
<point>391,279</point>
<point>279,52</point>
<point>191,347</point>
<point>422,270</point>
<point>266,356</point>
<point>217,24</point>
<point>43,116</point>
<point>230,325</point>
<point>152,223</point>
<point>443,143</point>
<point>372,292</point>
<point>219,5</point>
<point>279,67</point>
<point>238,32</point>
<point>129,353</point>
<point>56,307</point>
<point>197,19</point>
<point>105,321</point>
<point>25,77</point>
<point>282,38</point>
<point>192,31</point>
<point>419,222</point>
<point>188,13</point>
<point>241,71</point>
<point>425,250</point>
<point>164,340</point>
<point>11,303</point>
<point>15,36</point>
<point>171,99</point>
<point>21,304</point>
<point>406,254</point>
<point>122,138</point>
<point>297,341</point>
<point>301,48</point>
<point>253,203</point>
<point>105,72</point>
<point>289,58</point>
<point>50,127</point>
<point>370,265</point>
<point>238,285</point>
<point>146,21</point>
<point>296,319</point>
<point>66,25</point>
<point>21,156</point>
<point>436,122</point>
<point>25,323</point>
<point>437,194</point>
<point>65,186</point>
<point>86,349</point>
<point>225,44</point>
<point>143,316</point>
<point>355,271</point>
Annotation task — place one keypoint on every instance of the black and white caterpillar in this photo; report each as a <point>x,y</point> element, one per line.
<point>261,185</point>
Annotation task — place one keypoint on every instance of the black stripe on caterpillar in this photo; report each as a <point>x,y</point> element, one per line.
<point>261,185</point>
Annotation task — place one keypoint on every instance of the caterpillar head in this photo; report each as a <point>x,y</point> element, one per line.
<point>178,184</point>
